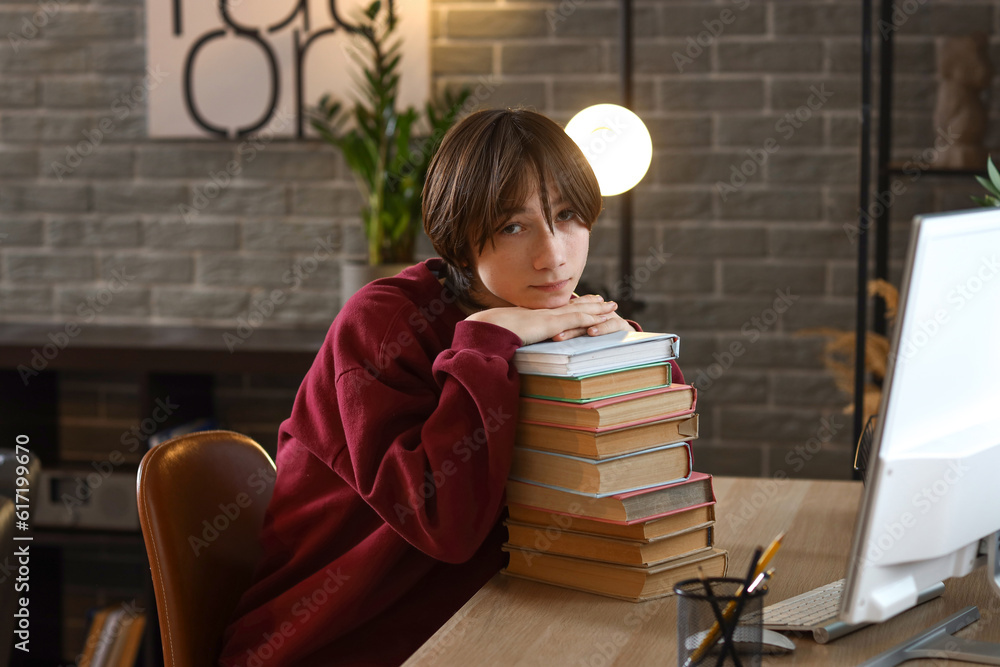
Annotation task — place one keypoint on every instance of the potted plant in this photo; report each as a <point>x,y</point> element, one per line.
<point>377,140</point>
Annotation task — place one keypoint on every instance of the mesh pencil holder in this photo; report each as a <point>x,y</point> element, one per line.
<point>715,626</point>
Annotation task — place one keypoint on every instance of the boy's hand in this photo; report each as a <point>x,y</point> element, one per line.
<point>576,318</point>
<point>615,323</point>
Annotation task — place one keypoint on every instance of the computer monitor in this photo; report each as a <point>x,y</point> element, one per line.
<point>932,487</point>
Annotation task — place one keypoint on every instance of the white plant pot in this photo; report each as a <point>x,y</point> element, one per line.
<point>355,275</point>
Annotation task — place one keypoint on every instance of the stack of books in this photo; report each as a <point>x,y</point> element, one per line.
<point>602,496</point>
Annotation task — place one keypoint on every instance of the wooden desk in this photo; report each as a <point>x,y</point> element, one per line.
<point>513,621</point>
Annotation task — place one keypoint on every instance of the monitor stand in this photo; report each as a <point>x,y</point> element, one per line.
<point>939,641</point>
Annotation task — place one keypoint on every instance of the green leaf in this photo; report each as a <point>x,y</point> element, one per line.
<point>994,174</point>
<point>373,9</point>
<point>992,189</point>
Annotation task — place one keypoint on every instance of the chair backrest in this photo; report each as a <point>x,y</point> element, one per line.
<point>202,498</point>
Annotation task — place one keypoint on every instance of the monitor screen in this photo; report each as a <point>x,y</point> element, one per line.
<point>932,488</point>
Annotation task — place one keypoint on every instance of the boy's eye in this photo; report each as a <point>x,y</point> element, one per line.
<point>566,214</point>
<point>512,228</point>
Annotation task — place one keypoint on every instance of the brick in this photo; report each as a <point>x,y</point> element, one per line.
<point>911,133</point>
<point>139,198</point>
<point>101,232</point>
<point>327,200</point>
<point>576,95</point>
<point>454,59</point>
<point>770,57</point>
<point>731,459</point>
<point>129,123</point>
<point>314,161</point>
<point>41,56</point>
<point>770,350</point>
<point>914,56</point>
<point>101,301</point>
<point>794,93</point>
<point>288,236</point>
<point>101,162</point>
<point>786,167</point>
<point>843,56</point>
<point>236,407</point>
<point>939,20</point>
<point>687,94</point>
<point>117,57</point>
<point>844,279</point>
<point>199,303</point>
<point>24,300</point>
<point>694,19</point>
<point>912,93</point>
<point>757,278</point>
<point>714,313</point>
<point>806,389</point>
<point>190,161</point>
<point>558,58</point>
<point>673,132</point>
<point>18,163</point>
<point>670,57</point>
<point>771,204</point>
<point>87,23</point>
<point>818,243</point>
<point>675,277</point>
<point>21,231</point>
<point>308,306</point>
<point>17,92</point>
<point>83,92</point>
<point>689,167</point>
<point>164,233</point>
<point>843,130</point>
<point>755,130</point>
<point>149,268</point>
<point>718,385</point>
<point>38,127</point>
<point>659,204</point>
<point>811,312</point>
<point>582,21</point>
<point>800,19</point>
<point>827,462</point>
<point>242,270</point>
<point>497,23</point>
<point>776,424</point>
<point>702,241</point>
<point>49,267</point>
<point>51,198</point>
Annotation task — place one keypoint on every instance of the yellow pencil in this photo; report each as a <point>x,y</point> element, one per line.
<point>713,633</point>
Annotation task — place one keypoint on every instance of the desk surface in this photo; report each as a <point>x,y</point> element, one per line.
<point>513,621</point>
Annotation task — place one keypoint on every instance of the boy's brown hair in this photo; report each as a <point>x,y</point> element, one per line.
<point>487,165</point>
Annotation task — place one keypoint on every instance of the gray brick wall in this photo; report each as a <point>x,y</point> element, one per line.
<point>73,209</point>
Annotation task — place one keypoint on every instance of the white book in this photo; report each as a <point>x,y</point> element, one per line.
<point>593,354</point>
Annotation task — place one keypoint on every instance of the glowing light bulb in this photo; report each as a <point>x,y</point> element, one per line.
<point>616,144</point>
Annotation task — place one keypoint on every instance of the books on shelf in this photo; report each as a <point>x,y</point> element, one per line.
<point>628,410</point>
<point>592,354</point>
<point>649,529</point>
<point>614,579</point>
<point>603,477</point>
<point>610,549</point>
<point>114,638</point>
<point>592,386</point>
<point>607,442</point>
<point>630,506</point>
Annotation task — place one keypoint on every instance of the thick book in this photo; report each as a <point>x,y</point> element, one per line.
<point>603,477</point>
<point>645,530</point>
<point>610,549</point>
<point>627,410</point>
<point>93,640</point>
<point>631,506</point>
<point>593,354</point>
<point>597,385</point>
<point>604,443</point>
<point>620,581</point>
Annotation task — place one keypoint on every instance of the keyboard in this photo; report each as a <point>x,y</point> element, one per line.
<point>807,611</point>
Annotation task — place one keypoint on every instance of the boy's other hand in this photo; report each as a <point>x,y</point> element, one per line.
<point>580,317</point>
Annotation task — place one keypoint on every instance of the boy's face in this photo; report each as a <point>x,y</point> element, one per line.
<point>529,265</point>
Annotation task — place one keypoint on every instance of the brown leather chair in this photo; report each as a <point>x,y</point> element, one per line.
<point>202,498</point>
